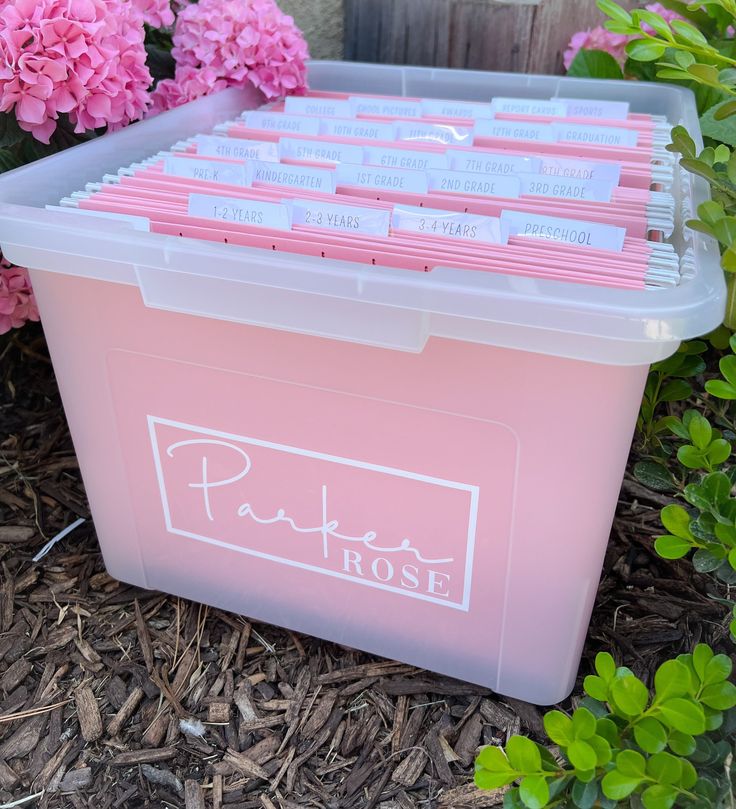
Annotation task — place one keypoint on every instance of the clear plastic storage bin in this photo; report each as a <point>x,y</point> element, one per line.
<point>421,465</point>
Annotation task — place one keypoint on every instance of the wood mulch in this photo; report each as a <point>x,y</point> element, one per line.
<point>113,696</point>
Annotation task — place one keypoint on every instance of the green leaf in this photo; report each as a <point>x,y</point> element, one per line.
<point>691,457</point>
<point>726,109</point>
<point>534,791</point>
<point>650,735</point>
<point>722,130</point>
<point>701,656</point>
<point>659,796</point>
<point>493,759</point>
<point>615,12</point>
<point>486,779</point>
<point>705,561</point>
<point>683,715</point>
<point>583,795</point>
<point>595,64</point>
<point>720,389</point>
<point>689,33</point>
<point>705,73</point>
<point>699,167</point>
<point>605,665</point>
<point>618,786</point>
<point>676,390</point>
<point>721,696</point>
<point>559,728</point>
<point>582,756</point>
<point>655,22</point>
<point>672,547</point>
<point>732,558</point>
<point>677,521</point>
<point>608,730</point>
<point>682,142</point>
<point>654,476</point>
<point>642,50</point>
<point>583,724</point>
<point>681,743</point>
<point>700,431</point>
<point>629,695</point>
<point>629,762</point>
<point>717,486</point>
<point>602,749</point>
<point>523,754</point>
<point>664,768</point>
<point>596,688</point>
<point>511,800</point>
<point>728,368</point>
<point>719,451</point>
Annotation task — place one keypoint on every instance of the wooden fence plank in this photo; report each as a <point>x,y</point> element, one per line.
<point>512,35</point>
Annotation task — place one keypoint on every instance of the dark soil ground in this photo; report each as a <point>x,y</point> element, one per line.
<point>96,676</point>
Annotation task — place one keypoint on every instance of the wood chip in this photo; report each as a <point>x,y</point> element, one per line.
<point>162,776</point>
<point>133,757</point>
<point>15,675</point>
<point>469,796</point>
<point>467,744</point>
<point>245,765</point>
<point>144,639</point>
<point>193,795</point>
<point>127,709</point>
<point>410,768</point>
<point>88,714</point>
<point>218,713</point>
<point>76,780</point>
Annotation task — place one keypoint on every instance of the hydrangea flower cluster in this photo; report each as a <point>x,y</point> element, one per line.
<point>85,58</point>
<point>599,39</point>
<point>17,302</point>
<point>232,42</point>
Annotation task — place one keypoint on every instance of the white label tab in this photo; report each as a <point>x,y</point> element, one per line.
<point>351,128</point>
<point>450,224</point>
<point>493,163</point>
<point>580,169</point>
<point>348,218</point>
<point>319,151</point>
<point>281,122</point>
<point>529,106</point>
<point>210,171</point>
<point>539,185</point>
<point>414,182</point>
<point>240,211</point>
<point>281,174</point>
<point>404,159</point>
<point>573,232</point>
<point>236,148</point>
<point>515,130</point>
<point>439,108</point>
<point>587,108</point>
<point>595,135</point>
<point>446,134</point>
<point>385,107</point>
<point>319,107</point>
<point>479,185</point>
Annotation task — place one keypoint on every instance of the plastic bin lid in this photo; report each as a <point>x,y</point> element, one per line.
<point>375,305</point>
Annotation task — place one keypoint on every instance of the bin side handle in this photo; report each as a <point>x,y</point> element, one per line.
<point>239,301</point>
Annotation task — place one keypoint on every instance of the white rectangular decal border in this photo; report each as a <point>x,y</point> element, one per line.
<point>473,491</point>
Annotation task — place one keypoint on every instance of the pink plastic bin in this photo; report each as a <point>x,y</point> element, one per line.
<point>424,466</point>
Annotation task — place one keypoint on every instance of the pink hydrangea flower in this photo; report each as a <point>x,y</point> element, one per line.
<point>85,58</point>
<point>599,39</point>
<point>156,13</point>
<point>17,302</point>
<point>596,39</point>
<point>189,84</point>
<point>233,42</point>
